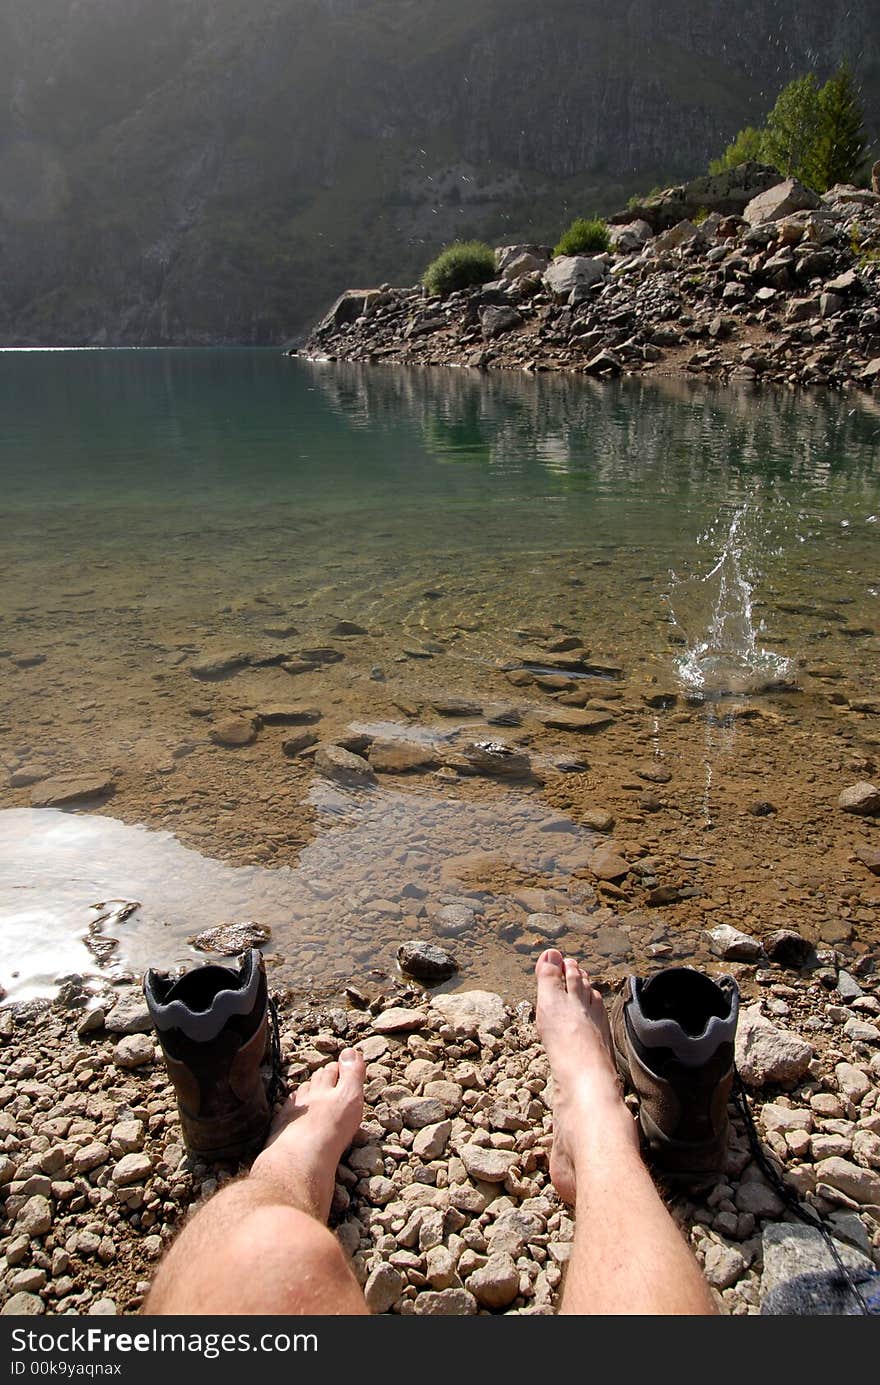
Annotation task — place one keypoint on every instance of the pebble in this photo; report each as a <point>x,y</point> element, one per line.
<point>133,1050</point>
<point>765,1054</point>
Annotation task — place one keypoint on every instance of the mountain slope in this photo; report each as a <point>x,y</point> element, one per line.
<point>199,170</point>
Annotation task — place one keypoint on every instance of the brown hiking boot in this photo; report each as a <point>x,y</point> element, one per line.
<point>214,1027</point>
<point>673,1037</point>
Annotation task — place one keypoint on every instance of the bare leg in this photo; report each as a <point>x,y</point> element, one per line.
<point>628,1255</point>
<point>261,1246</point>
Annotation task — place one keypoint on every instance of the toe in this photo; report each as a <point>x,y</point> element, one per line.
<point>549,970</point>
<point>574,979</point>
<point>352,1068</point>
<point>327,1076</point>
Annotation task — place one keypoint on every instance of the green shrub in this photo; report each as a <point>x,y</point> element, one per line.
<point>459,266</point>
<point>583,236</point>
<point>700,215</point>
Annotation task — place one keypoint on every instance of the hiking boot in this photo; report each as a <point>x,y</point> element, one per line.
<point>673,1038</point>
<point>213,1025</point>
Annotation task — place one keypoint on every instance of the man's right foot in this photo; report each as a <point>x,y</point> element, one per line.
<point>588,1103</point>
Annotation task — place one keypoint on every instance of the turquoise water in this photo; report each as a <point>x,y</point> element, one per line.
<point>158,505</point>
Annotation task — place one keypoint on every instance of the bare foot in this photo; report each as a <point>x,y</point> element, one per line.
<point>587,1095</point>
<point>311,1132</point>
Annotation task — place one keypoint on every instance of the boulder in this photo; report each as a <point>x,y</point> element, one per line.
<point>570,272</point>
<point>631,236</point>
<point>780,201</point>
<point>727,193</point>
<point>683,233</point>
<point>512,261</point>
<point>800,1276</point>
<point>765,1054</point>
<point>349,306</point>
<point>495,321</point>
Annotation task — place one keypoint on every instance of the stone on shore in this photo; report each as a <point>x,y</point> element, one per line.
<point>780,201</point>
<point>573,273</point>
<point>234,732</point>
<point>337,763</point>
<point>765,1054</point>
<point>800,1276</point>
<point>468,1012</point>
<point>731,945</point>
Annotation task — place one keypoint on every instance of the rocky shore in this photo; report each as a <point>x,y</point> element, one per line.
<point>444,1203</point>
<point>736,277</point>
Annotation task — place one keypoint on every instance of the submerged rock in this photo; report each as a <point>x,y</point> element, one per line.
<point>62,789</point>
<point>426,961</point>
<point>342,764</point>
<point>229,939</point>
<point>863,799</point>
<point>496,757</point>
<point>234,732</point>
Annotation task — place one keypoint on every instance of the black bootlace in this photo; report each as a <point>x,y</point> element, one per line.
<point>277,1085</point>
<point>793,1204</point>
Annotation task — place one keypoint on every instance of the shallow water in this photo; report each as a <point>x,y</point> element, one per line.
<point>160,505</point>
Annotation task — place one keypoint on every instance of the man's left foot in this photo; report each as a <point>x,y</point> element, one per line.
<point>311,1132</point>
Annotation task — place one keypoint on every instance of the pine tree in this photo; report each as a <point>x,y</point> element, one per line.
<point>793,127</point>
<point>839,146</point>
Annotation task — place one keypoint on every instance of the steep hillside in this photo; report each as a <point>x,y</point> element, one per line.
<point>202,170</point>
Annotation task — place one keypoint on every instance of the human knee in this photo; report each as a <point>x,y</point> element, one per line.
<point>284,1234</point>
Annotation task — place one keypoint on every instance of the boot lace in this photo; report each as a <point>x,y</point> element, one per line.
<point>847,1279</point>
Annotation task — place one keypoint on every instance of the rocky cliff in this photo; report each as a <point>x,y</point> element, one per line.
<point>204,171</point>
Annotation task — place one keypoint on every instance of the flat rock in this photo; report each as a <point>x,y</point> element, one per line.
<point>731,945</point>
<point>457,707</point>
<point>487,1165</point>
<point>765,1054</point>
<point>71,788</point>
<point>289,714</point>
<point>608,865</point>
<point>398,1020</point>
<point>453,920</point>
<point>426,961</point>
<point>467,1011</point>
<point>862,798</point>
<point>800,1276</point>
<point>234,732</point>
<point>401,757</point>
<point>582,722</point>
<point>231,939</point>
<point>218,665</point>
<point>445,1303</point>
<point>870,857</point>
<point>332,760</point>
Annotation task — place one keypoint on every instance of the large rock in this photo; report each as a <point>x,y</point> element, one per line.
<point>63,789</point>
<point>486,1164</point>
<point>683,233</point>
<point>513,260</point>
<point>765,1054</point>
<point>727,193</point>
<point>426,961</point>
<point>570,273</point>
<point>731,945</point>
<point>861,1185</point>
<point>399,757</point>
<point>633,235</point>
<point>349,306</point>
<point>863,799</point>
<point>468,1011</point>
<point>779,201</point>
<point>495,321</point>
<point>234,732</point>
<point>800,1276</point>
<point>337,763</point>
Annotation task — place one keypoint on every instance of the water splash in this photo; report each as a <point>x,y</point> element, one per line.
<point>715,614</point>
